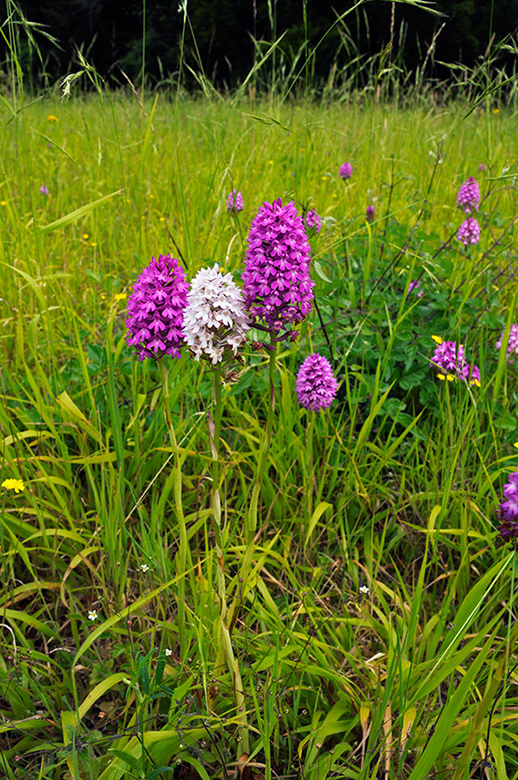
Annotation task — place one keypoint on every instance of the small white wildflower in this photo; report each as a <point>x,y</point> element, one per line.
<point>144,567</point>
<point>168,651</point>
<point>364,589</point>
<point>215,321</point>
<point>92,614</point>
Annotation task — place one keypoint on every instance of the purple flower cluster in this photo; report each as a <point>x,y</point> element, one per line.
<point>468,196</point>
<point>370,213</point>
<point>508,509</point>
<point>450,362</point>
<point>414,286</point>
<point>234,202</point>
<point>313,221</point>
<point>316,383</point>
<point>346,170</point>
<point>156,308</point>
<point>277,286</point>
<point>512,344</point>
<point>469,232</point>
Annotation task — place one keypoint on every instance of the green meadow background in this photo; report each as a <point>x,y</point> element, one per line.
<point>371,612</point>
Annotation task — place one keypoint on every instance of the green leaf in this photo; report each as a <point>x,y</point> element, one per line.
<point>320,272</point>
<point>413,379</point>
<point>99,691</point>
<point>315,517</point>
<point>79,213</point>
<point>133,762</point>
<point>450,711</point>
<point>144,678</point>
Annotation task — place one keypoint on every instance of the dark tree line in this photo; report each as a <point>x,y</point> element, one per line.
<point>217,37</point>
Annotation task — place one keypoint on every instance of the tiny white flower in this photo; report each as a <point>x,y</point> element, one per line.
<point>92,614</point>
<point>168,651</point>
<point>364,589</point>
<point>144,567</point>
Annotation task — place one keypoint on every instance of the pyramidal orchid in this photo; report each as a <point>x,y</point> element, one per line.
<point>512,343</point>
<point>449,361</point>
<point>277,286</point>
<point>508,509</point>
<point>155,309</point>
<point>469,232</point>
<point>468,197</point>
<point>346,170</point>
<point>215,321</point>
<point>235,202</point>
<point>316,383</point>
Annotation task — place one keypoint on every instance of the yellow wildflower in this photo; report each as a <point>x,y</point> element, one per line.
<point>13,484</point>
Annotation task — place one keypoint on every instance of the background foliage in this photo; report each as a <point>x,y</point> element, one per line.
<point>224,38</point>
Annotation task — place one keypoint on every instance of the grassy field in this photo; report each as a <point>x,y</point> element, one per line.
<point>348,611</point>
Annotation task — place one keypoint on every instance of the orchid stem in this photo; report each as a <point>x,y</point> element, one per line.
<point>181,556</point>
<point>225,650</point>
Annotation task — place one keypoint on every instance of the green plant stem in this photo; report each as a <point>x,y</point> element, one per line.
<point>448,412</point>
<point>251,519</point>
<point>214,428</point>
<point>229,616</point>
<point>225,650</point>
<point>181,556</point>
<point>308,469</point>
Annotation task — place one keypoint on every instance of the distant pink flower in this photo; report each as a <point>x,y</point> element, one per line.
<point>471,373</point>
<point>235,202</point>
<point>469,232</point>
<point>450,362</point>
<point>413,286</point>
<point>316,383</point>
<point>44,189</point>
<point>512,344</point>
<point>468,196</point>
<point>313,221</point>
<point>346,170</point>
<point>448,356</point>
<point>370,213</point>
<point>508,509</point>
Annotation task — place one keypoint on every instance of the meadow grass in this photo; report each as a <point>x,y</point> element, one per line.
<point>368,629</point>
